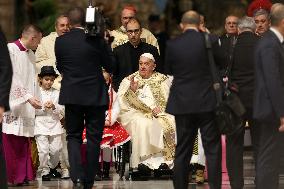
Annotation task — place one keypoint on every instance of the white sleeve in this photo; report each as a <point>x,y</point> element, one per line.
<point>19,94</point>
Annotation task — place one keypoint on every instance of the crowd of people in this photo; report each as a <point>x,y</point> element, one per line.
<point>79,97</point>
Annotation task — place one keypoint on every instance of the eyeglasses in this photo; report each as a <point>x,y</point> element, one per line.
<point>231,23</point>
<point>127,17</point>
<point>135,32</point>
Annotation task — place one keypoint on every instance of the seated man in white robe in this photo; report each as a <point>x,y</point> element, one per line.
<point>143,96</point>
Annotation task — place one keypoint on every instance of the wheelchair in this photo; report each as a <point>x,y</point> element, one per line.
<point>126,172</point>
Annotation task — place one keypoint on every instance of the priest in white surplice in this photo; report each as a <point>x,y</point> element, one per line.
<point>142,97</point>
<point>18,124</point>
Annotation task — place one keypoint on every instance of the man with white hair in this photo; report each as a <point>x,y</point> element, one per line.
<point>45,55</point>
<point>227,41</point>
<point>241,75</point>
<point>142,97</point>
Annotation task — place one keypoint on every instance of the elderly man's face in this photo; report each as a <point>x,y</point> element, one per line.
<point>231,25</point>
<point>146,67</point>
<point>126,15</point>
<point>262,24</point>
<point>62,26</point>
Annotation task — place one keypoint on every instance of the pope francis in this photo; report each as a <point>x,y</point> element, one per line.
<point>142,98</point>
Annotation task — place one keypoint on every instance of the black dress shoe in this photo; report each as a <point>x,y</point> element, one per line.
<point>78,184</point>
<point>54,173</point>
<point>46,177</point>
<point>88,185</point>
<point>163,167</point>
<point>144,170</point>
<point>98,177</point>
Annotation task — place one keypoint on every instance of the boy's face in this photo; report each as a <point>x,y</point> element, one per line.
<point>47,82</point>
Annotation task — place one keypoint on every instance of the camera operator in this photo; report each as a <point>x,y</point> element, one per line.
<point>80,59</point>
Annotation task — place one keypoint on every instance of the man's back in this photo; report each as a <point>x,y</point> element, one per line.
<point>242,72</point>
<point>269,98</point>
<point>187,61</point>
<point>80,60</point>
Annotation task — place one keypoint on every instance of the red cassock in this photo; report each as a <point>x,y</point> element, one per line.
<point>114,135</point>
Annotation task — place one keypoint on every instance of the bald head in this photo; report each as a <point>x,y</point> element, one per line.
<point>277,14</point>
<point>76,17</point>
<point>30,30</point>
<point>191,17</point>
<point>274,6</point>
<point>31,36</point>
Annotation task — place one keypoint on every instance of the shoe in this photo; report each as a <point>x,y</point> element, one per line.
<point>98,177</point>
<point>78,184</point>
<point>199,176</point>
<point>26,182</point>
<point>106,168</point>
<point>88,185</point>
<point>163,167</point>
<point>46,177</point>
<point>144,170</point>
<point>54,173</point>
<point>65,174</point>
<point>136,176</point>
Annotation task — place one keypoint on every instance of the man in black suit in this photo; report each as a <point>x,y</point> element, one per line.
<point>127,55</point>
<point>227,42</point>
<point>5,85</point>
<point>241,75</point>
<point>80,59</point>
<point>269,100</point>
<point>192,101</point>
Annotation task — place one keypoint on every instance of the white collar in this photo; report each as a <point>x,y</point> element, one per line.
<point>191,28</point>
<point>278,34</point>
<point>79,27</point>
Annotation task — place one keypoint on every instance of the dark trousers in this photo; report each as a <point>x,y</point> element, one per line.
<point>235,150</point>
<point>186,128</point>
<point>94,118</point>
<point>3,177</point>
<point>268,156</point>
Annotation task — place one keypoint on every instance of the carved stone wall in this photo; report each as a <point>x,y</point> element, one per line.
<point>7,15</point>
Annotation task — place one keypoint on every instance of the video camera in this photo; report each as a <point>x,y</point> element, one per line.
<point>95,21</point>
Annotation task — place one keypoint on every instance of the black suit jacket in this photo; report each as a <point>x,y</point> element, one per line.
<point>5,72</point>
<point>227,43</point>
<point>269,70</point>
<point>80,60</point>
<point>124,64</point>
<point>242,72</point>
<point>187,61</point>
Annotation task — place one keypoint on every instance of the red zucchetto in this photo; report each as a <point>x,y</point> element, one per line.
<point>258,4</point>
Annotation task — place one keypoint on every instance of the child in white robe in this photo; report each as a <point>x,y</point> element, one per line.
<point>48,129</point>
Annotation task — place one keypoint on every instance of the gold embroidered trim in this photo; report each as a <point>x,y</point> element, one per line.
<point>155,86</point>
<point>169,138</point>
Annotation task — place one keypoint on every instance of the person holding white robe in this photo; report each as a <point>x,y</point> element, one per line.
<point>18,124</point>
